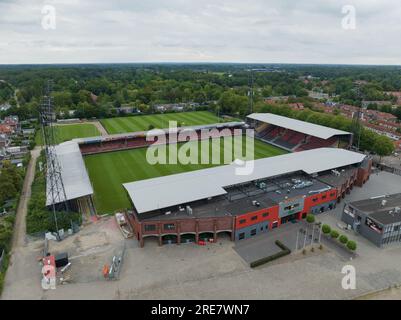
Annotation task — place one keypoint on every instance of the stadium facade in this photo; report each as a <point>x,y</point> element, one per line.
<point>205,203</point>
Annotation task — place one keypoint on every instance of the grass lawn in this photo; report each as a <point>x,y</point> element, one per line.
<point>70,131</point>
<point>108,171</point>
<point>160,121</point>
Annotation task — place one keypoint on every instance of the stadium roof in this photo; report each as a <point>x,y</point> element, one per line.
<point>157,132</point>
<point>158,193</point>
<point>297,125</point>
<point>73,172</point>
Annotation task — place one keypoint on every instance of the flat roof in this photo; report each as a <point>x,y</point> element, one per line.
<point>374,208</point>
<point>239,199</point>
<point>337,180</point>
<point>73,172</point>
<point>298,125</point>
<point>163,192</point>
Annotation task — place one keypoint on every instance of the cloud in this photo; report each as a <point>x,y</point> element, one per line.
<point>278,31</point>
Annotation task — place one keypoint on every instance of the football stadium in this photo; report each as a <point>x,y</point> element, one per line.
<point>299,168</point>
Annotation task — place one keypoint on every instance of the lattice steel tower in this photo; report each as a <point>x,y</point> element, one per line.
<point>55,191</point>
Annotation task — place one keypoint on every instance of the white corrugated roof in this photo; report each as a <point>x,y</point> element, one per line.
<point>166,130</point>
<point>73,171</point>
<point>157,193</point>
<point>297,125</point>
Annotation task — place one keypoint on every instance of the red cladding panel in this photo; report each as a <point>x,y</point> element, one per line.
<point>251,218</point>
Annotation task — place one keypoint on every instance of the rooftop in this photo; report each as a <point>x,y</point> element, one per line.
<point>75,178</point>
<point>156,132</point>
<point>337,180</point>
<point>381,209</point>
<point>240,199</point>
<point>307,128</point>
<point>202,184</point>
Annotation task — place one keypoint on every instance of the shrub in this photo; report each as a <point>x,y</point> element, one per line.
<point>343,239</point>
<point>334,234</point>
<point>326,229</point>
<point>284,251</point>
<point>351,245</point>
<point>310,218</point>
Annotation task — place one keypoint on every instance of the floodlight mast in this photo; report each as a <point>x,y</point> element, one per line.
<point>55,191</point>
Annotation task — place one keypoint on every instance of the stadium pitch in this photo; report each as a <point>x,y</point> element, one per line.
<point>68,132</point>
<point>108,171</point>
<point>160,121</point>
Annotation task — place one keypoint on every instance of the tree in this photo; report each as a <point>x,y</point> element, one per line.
<point>310,218</point>
<point>233,103</point>
<point>343,239</point>
<point>334,234</point>
<point>383,146</point>
<point>326,229</point>
<point>10,181</point>
<point>351,245</point>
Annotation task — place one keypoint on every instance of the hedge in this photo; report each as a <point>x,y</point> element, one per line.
<point>343,239</point>
<point>334,234</point>
<point>284,251</point>
<point>326,229</point>
<point>310,218</point>
<point>351,245</point>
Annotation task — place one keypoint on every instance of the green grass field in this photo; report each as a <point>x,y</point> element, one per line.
<point>160,121</point>
<point>71,131</point>
<point>108,171</point>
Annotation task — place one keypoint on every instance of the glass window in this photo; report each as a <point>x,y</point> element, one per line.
<point>242,221</point>
<point>150,227</point>
<point>241,236</point>
<point>265,214</point>
<point>169,226</point>
<point>254,218</point>
<point>253,232</point>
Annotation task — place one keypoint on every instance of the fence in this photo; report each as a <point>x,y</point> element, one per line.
<point>386,168</point>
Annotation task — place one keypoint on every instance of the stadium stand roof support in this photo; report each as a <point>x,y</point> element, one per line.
<point>152,133</point>
<point>163,192</point>
<point>297,125</point>
<point>73,171</point>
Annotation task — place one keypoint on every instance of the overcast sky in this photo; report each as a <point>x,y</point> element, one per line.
<point>271,31</point>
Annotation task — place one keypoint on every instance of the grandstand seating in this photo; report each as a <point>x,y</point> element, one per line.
<point>292,140</point>
<point>314,143</point>
<point>285,138</point>
<point>122,143</point>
